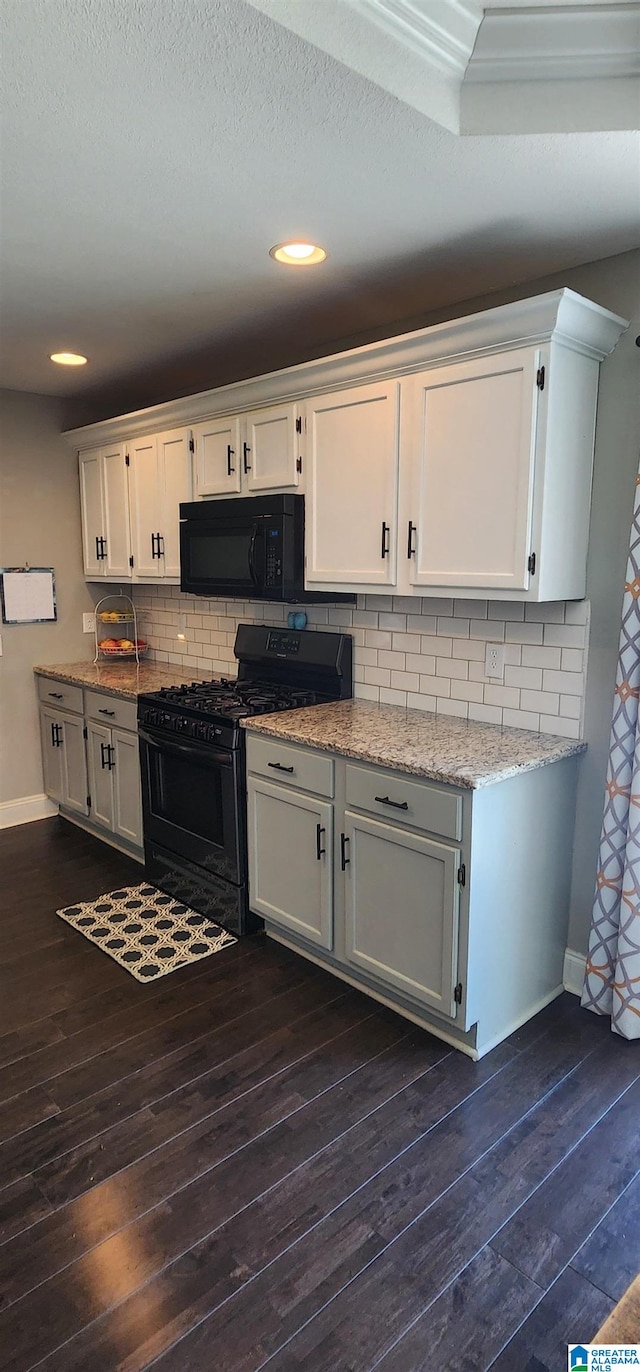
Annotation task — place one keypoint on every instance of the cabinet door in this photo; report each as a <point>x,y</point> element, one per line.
<point>90,466</point>
<point>116,512</point>
<point>51,737</point>
<point>290,861</point>
<point>217,457</point>
<point>472,452</point>
<point>402,910</point>
<point>100,774</point>
<point>127,815</point>
<point>74,784</point>
<point>352,467</point>
<point>175,468</point>
<point>145,492</point>
<point>271,448</point>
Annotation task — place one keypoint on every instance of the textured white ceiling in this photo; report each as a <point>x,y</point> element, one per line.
<point>153,151</point>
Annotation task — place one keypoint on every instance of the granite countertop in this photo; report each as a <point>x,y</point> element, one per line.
<point>125,679</point>
<point>459,752</point>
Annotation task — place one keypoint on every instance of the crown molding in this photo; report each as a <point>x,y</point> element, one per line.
<point>463,64</point>
<point>582,42</point>
<point>446,41</point>
<point>569,318</point>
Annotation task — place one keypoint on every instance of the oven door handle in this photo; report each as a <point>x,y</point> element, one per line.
<point>198,751</point>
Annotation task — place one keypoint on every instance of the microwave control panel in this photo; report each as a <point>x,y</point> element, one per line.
<point>273,570</point>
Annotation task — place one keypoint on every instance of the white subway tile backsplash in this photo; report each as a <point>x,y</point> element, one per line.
<point>377,676</point>
<point>433,605</point>
<point>472,649</point>
<point>506,609</point>
<point>377,638</point>
<point>438,647</point>
<point>426,654</point>
<point>502,695</point>
<point>547,612</point>
<point>570,683</point>
<point>571,706</point>
<point>467,690</point>
<point>540,657</point>
<point>490,630</point>
<point>546,702</point>
<point>524,633</point>
<point>530,677</point>
<point>405,681</point>
<point>556,724</point>
<point>564,635</point>
<point>452,667</point>
<point>421,702</point>
<point>521,719</point>
<point>389,696</point>
<point>453,627</point>
<point>469,609</point>
<point>485,714</point>
<point>572,659</point>
<point>406,643</point>
<point>459,708</point>
<point>422,624</point>
<point>577,612</point>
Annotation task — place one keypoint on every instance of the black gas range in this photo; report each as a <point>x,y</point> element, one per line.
<point>192,759</point>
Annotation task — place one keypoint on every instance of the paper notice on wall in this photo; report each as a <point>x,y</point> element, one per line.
<point>28,596</point>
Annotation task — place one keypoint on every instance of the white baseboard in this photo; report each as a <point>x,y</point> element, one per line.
<point>573,975</point>
<point>26,809</point>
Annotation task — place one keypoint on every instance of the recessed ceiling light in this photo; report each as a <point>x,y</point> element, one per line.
<point>68,359</point>
<point>298,254</point>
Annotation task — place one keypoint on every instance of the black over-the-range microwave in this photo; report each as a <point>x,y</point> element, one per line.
<point>251,547</point>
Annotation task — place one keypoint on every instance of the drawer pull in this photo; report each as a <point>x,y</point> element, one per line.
<point>278,767</point>
<point>56,695</point>
<point>320,851</point>
<point>110,713</point>
<point>397,804</point>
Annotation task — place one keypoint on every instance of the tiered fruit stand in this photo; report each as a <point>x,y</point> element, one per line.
<point>117,612</point>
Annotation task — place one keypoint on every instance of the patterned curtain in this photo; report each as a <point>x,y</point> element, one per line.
<point>612,976</point>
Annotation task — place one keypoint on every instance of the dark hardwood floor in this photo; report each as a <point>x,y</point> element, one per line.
<point>249,1163</point>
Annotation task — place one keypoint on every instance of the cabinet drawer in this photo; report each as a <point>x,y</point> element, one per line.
<point>290,765</point>
<point>111,711</point>
<point>392,796</point>
<point>60,694</point>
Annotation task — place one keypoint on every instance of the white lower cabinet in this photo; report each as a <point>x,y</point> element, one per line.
<point>63,758</point>
<point>401,909</point>
<point>114,781</point>
<point>290,860</point>
<point>92,768</point>
<point>447,903</point>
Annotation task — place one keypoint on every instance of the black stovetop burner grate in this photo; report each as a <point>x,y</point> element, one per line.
<point>237,699</point>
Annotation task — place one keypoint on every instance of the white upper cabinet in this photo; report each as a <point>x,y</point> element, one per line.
<point>217,457</point>
<point>455,459</point>
<point>146,507</point>
<point>257,451</point>
<point>470,450</point>
<point>159,479</point>
<point>271,451</point>
<point>175,468</point>
<point>351,482</point>
<point>104,504</point>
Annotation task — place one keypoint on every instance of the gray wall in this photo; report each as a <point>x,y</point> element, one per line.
<point>39,524</point>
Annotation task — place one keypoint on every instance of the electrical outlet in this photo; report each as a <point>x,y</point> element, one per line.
<point>88,624</point>
<point>494,660</point>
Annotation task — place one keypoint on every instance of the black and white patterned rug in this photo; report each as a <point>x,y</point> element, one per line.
<point>146,931</point>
